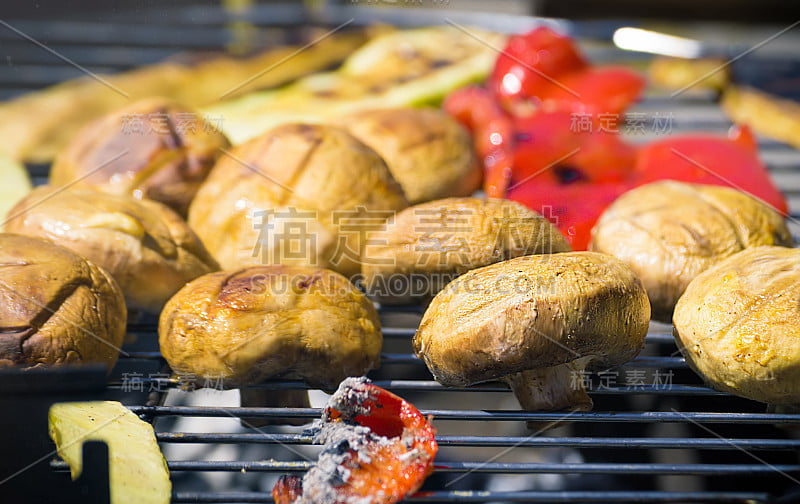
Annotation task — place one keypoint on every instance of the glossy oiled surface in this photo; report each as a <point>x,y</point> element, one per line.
<point>738,325</point>
<point>247,325</point>
<point>148,249</point>
<point>55,306</point>
<point>532,312</point>
<point>153,148</point>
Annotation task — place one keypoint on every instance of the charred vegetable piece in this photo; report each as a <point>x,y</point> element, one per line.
<point>379,448</point>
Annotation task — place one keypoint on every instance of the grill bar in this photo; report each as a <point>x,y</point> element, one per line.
<point>398,358</point>
<point>492,467</point>
<point>503,441</point>
<point>524,416</point>
<point>552,497</point>
<point>433,386</point>
<point>653,337</point>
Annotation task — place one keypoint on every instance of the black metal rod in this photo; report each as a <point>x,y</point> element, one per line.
<point>480,496</point>
<point>490,415</point>
<point>433,386</point>
<point>492,467</point>
<point>502,441</point>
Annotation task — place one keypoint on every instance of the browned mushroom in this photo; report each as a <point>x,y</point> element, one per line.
<point>238,328</point>
<point>153,148</point>
<point>427,151</point>
<point>148,249</point>
<point>300,194</point>
<point>536,322</point>
<point>427,245</point>
<point>56,307</point>
<point>669,232</point>
<point>738,325</point>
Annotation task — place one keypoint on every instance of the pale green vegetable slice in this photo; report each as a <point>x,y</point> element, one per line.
<point>138,472</point>
<point>403,68</point>
<point>14,184</point>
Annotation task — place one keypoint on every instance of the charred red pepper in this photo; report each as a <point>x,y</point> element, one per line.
<point>379,448</point>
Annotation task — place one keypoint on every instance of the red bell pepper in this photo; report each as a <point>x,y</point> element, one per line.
<point>493,133</point>
<point>543,70</point>
<point>711,159</point>
<point>531,63</point>
<point>546,131</point>
<point>379,448</point>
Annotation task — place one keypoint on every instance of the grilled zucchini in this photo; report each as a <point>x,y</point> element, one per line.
<point>138,472</point>
<point>14,184</point>
<point>400,68</point>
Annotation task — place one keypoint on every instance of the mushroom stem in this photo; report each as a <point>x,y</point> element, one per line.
<point>556,388</point>
<point>260,398</point>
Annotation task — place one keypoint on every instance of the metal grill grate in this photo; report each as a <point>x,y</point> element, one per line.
<point>710,422</point>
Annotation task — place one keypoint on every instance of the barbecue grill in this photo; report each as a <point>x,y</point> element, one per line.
<point>664,438</point>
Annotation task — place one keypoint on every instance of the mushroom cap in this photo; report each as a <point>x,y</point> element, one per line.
<point>148,249</point>
<point>55,306</point>
<point>244,326</point>
<point>669,232</point>
<point>428,152</point>
<point>153,148</point>
<point>533,312</point>
<point>738,325</point>
<point>317,178</point>
<point>445,238</point>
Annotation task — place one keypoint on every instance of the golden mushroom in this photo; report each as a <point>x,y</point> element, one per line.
<point>153,148</point>
<point>240,327</point>
<point>300,194</point>
<point>738,325</point>
<point>669,232</point>
<point>427,151</point>
<point>536,322</point>
<point>427,245</point>
<point>148,249</point>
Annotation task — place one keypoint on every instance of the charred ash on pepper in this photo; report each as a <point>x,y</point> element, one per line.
<point>347,444</point>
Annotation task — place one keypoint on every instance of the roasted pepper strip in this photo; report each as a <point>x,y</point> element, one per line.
<point>493,132</point>
<point>543,70</point>
<point>711,159</point>
<point>379,448</point>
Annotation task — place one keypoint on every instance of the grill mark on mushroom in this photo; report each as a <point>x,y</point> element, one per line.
<point>298,172</point>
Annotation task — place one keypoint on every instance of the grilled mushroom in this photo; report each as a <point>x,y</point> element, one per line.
<point>536,322</point>
<point>669,232</point>
<point>427,151</point>
<point>300,194</point>
<point>428,245</point>
<point>153,148</point>
<point>148,249</point>
<point>738,325</point>
<point>241,327</point>
<point>56,307</point>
